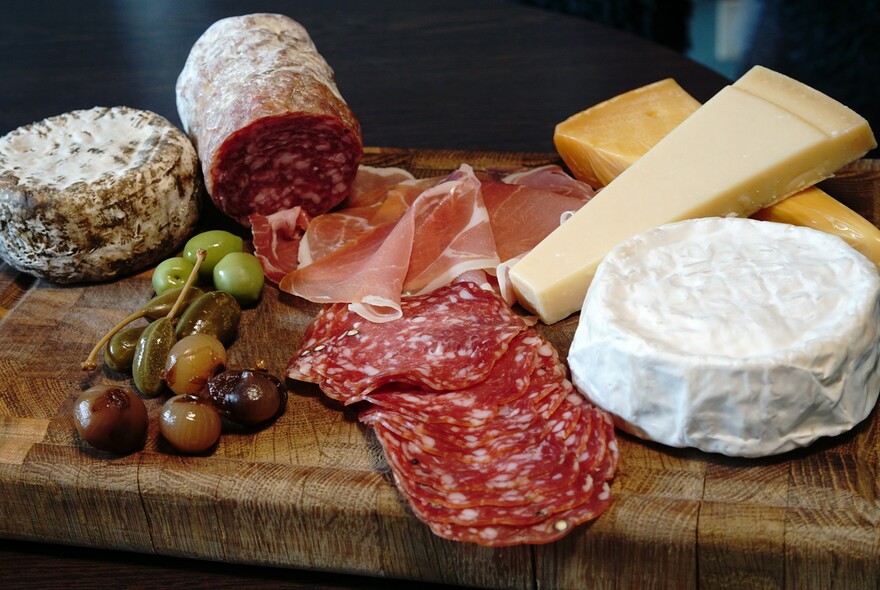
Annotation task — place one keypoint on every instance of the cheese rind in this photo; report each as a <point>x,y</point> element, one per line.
<point>732,336</point>
<point>735,155</point>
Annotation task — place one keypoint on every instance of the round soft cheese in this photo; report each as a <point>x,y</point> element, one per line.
<point>733,336</point>
<point>94,194</point>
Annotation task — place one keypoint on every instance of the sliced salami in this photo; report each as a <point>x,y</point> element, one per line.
<point>474,405</point>
<point>271,128</point>
<point>448,339</point>
<point>515,477</point>
<point>546,531</point>
<point>484,434</point>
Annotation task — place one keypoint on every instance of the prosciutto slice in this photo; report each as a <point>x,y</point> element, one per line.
<point>523,215</point>
<point>552,178</point>
<point>397,248</point>
<point>397,235</point>
<point>277,239</point>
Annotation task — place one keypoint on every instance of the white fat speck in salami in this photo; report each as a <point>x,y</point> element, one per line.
<point>94,194</point>
<point>272,130</point>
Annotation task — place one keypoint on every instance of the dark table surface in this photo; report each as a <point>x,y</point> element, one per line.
<point>453,74</point>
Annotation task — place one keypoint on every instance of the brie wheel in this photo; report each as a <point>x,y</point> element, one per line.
<point>731,335</point>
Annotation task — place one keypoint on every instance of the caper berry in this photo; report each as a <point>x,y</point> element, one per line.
<point>216,313</point>
<point>150,356</point>
<point>161,304</point>
<point>119,350</point>
<point>246,396</point>
<point>191,424</point>
<point>111,418</point>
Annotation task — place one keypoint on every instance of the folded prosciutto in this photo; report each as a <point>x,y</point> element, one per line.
<point>399,236</point>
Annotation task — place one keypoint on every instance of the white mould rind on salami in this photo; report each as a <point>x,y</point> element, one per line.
<point>95,194</point>
<point>732,336</point>
<point>262,108</point>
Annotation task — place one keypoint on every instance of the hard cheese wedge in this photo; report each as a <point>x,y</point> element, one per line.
<point>604,140</point>
<point>751,145</point>
<point>817,209</point>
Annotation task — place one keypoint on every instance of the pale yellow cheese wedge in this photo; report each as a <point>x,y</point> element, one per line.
<point>815,208</point>
<point>746,148</point>
<point>601,142</point>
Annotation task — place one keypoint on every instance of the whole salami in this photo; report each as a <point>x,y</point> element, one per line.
<point>271,128</point>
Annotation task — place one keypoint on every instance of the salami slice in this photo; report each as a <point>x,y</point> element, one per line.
<point>472,406</point>
<point>484,434</point>
<point>271,128</point>
<point>448,339</point>
<point>548,530</point>
<point>515,477</point>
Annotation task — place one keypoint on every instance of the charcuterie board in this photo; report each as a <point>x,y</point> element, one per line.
<point>313,491</point>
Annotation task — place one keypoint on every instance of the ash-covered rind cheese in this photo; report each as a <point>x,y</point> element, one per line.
<point>732,336</point>
<point>94,194</point>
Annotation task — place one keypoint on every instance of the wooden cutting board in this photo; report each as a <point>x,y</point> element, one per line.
<point>313,491</point>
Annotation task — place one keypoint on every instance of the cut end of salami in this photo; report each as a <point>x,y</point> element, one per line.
<point>269,123</point>
<point>282,162</point>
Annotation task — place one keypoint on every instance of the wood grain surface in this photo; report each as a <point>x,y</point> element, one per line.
<point>314,492</point>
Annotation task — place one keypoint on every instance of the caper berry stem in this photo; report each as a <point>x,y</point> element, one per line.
<point>90,363</point>
<point>201,254</point>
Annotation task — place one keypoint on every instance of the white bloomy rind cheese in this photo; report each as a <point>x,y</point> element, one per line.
<point>733,336</point>
<point>754,143</point>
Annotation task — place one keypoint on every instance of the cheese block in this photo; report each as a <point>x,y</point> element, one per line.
<point>733,336</point>
<point>746,148</point>
<point>599,143</point>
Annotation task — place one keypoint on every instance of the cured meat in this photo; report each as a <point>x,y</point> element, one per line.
<point>276,240</point>
<point>400,248</point>
<point>398,235</point>
<point>524,215</point>
<point>271,128</point>
<point>548,530</point>
<point>448,339</point>
<point>371,184</point>
<point>525,471</point>
<point>454,233</point>
<point>96,194</point>
<point>472,406</point>
<point>334,231</point>
<point>554,179</point>
<point>484,434</point>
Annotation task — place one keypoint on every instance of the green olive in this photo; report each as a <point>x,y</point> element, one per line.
<point>171,273</point>
<point>161,304</point>
<point>119,351</point>
<point>215,313</point>
<point>217,243</point>
<point>240,275</point>
<point>150,355</point>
